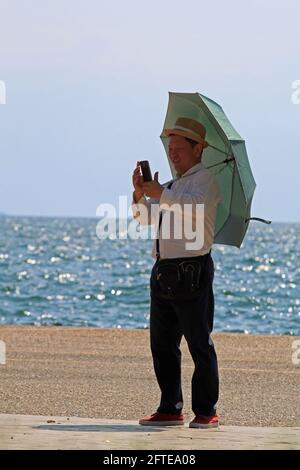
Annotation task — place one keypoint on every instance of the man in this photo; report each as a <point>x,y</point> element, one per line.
<point>182,300</point>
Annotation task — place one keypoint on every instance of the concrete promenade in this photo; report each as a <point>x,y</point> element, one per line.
<point>102,380</point>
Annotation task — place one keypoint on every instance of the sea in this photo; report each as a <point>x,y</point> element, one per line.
<point>56,271</point>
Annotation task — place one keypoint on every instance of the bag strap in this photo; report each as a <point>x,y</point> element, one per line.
<point>159,225</point>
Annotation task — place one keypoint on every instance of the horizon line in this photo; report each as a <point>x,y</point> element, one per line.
<point>4,214</point>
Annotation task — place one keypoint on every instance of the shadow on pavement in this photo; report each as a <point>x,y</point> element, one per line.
<point>99,428</point>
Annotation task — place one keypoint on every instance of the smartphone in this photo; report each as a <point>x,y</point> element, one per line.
<point>146,172</point>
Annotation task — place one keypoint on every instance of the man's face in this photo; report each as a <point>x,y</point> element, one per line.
<point>182,154</point>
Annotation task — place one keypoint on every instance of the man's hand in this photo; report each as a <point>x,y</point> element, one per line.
<point>153,188</point>
<point>137,181</point>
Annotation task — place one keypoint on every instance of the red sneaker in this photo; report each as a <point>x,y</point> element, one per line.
<point>205,422</point>
<point>162,419</point>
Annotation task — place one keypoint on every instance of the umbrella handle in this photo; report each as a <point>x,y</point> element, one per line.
<point>259,220</point>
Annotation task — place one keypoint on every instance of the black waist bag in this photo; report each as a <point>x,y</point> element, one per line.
<point>177,279</point>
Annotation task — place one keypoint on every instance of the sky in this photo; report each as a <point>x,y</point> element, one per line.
<point>87,87</point>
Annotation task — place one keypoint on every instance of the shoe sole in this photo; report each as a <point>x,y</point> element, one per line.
<point>204,426</point>
<point>161,423</point>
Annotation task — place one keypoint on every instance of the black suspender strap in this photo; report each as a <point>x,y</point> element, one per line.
<point>159,225</point>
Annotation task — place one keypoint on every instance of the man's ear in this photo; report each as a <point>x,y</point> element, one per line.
<point>198,149</point>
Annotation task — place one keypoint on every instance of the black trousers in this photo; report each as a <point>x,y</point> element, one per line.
<point>192,318</point>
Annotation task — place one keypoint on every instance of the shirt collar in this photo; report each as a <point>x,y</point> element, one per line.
<point>193,169</point>
<point>199,166</point>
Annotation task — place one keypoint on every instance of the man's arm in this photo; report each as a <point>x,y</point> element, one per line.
<point>144,210</point>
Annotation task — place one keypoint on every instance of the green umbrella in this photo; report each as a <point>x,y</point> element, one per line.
<point>226,157</point>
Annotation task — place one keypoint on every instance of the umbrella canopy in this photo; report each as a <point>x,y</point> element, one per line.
<point>226,157</point>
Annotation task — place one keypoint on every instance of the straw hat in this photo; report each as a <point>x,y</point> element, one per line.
<point>189,128</point>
